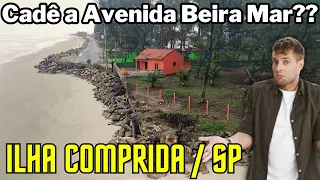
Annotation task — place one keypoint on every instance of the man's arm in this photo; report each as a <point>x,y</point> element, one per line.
<point>244,137</point>
<point>316,131</point>
<point>317,144</point>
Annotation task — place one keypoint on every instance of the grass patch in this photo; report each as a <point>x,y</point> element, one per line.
<point>219,96</point>
<point>236,103</point>
<point>217,125</point>
<point>211,127</point>
<point>137,80</point>
<point>168,93</point>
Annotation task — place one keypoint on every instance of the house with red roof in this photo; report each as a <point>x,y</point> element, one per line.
<point>169,61</point>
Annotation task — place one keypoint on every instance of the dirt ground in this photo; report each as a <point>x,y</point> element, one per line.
<point>233,75</point>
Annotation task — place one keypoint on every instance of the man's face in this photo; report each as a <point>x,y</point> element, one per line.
<point>286,68</point>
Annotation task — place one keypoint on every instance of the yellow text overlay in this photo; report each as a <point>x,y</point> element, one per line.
<point>110,158</point>
<point>224,157</point>
<point>40,159</point>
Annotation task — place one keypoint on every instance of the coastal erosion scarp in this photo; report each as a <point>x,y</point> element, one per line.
<point>136,127</point>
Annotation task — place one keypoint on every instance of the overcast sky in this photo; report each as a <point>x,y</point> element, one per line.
<point>46,30</point>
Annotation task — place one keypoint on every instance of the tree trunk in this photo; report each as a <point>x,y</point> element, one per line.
<point>144,40</point>
<point>199,66</point>
<point>207,68</point>
<point>151,36</point>
<point>181,32</point>
<point>162,37</point>
<point>199,58</point>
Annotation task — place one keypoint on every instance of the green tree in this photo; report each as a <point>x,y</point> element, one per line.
<point>153,78</point>
<point>249,46</point>
<point>251,72</point>
<point>184,75</point>
<point>213,73</point>
<point>232,42</point>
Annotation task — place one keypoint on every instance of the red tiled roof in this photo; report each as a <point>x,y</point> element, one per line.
<point>154,54</point>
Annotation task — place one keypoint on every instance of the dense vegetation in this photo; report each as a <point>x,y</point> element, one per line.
<point>230,42</point>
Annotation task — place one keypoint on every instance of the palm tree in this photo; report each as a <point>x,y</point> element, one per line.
<point>153,78</point>
<point>251,71</point>
<point>213,73</point>
<point>184,75</point>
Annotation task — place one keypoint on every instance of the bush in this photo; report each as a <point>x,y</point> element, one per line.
<point>251,71</point>
<point>89,61</point>
<point>213,73</point>
<point>153,77</point>
<point>184,75</point>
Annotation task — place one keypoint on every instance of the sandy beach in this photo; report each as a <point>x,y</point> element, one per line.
<point>58,109</point>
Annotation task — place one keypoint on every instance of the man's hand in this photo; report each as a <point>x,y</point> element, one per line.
<point>243,139</point>
<point>317,144</point>
<point>212,140</point>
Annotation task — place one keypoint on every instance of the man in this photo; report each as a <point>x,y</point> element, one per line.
<point>282,121</point>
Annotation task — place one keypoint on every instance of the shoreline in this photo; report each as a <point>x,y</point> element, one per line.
<point>111,92</point>
<point>61,113</point>
<point>39,47</point>
<point>43,108</point>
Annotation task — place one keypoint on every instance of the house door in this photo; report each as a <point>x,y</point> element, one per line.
<point>146,65</point>
<point>138,64</point>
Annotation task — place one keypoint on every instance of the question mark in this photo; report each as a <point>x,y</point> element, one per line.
<point>300,8</point>
<point>315,9</point>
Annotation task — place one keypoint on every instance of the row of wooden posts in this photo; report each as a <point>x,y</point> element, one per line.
<point>189,101</point>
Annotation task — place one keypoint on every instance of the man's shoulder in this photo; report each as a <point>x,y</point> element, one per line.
<point>263,87</point>
<point>264,84</point>
<point>310,84</point>
<point>311,87</point>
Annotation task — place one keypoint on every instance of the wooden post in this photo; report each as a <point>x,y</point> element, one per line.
<point>160,94</point>
<point>137,89</point>
<point>207,108</point>
<point>148,92</point>
<point>174,98</point>
<point>189,104</point>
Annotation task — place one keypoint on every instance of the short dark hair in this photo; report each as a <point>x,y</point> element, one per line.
<point>286,44</point>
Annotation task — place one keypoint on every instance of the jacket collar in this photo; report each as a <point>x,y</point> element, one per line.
<point>300,89</point>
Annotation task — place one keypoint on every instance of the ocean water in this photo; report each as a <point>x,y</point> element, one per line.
<point>12,47</point>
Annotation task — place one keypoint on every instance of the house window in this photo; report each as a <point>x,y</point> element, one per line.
<point>174,63</point>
